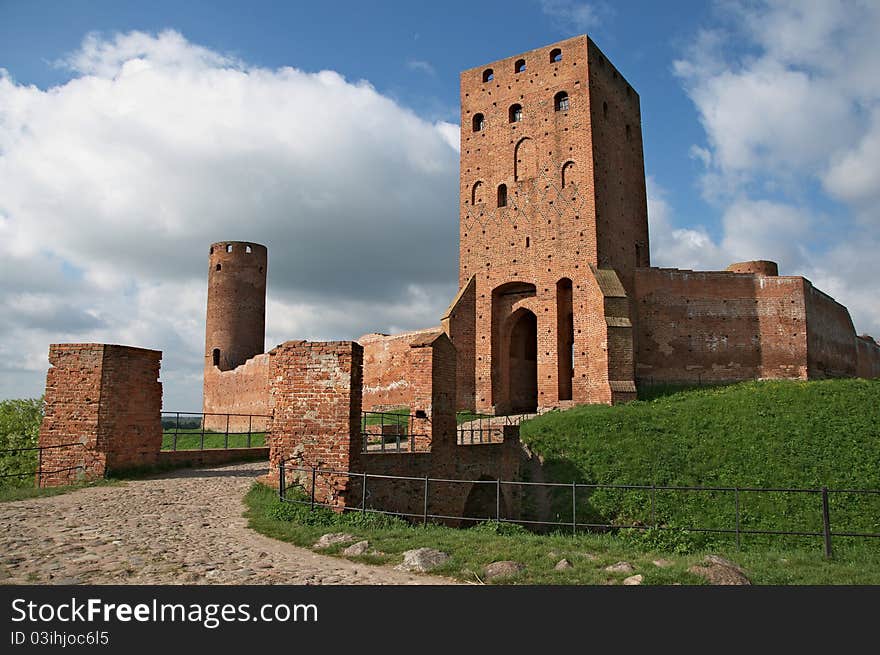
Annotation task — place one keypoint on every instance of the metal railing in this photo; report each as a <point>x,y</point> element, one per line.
<point>651,521</point>
<point>394,432</point>
<point>37,471</point>
<point>486,429</point>
<point>209,430</point>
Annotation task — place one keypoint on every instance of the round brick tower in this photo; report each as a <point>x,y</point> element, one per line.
<point>756,267</point>
<point>236,321</point>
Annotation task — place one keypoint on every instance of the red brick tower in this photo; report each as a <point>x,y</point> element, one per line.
<point>235,326</point>
<point>553,223</point>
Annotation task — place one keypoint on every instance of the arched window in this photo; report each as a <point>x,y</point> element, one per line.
<point>216,356</point>
<point>525,160</point>
<point>248,250</point>
<point>560,101</point>
<point>229,247</point>
<point>515,113</point>
<point>605,109</point>
<point>555,55</point>
<point>519,66</point>
<point>479,123</point>
<point>477,193</point>
<point>567,172</point>
<point>628,133</point>
<point>217,267</point>
<point>502,195</point>
<point>488,75</point>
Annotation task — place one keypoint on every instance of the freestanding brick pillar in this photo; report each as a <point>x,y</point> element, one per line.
<point>315,398</point>
<point>107,399</point>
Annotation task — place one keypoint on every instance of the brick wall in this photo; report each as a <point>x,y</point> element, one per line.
<point>242,390</point>
<point>719,326</point>
<point>315,397</point>
<point>211,456</point>
<point>868,353</point>
<point>391,375</point>
<point>832,348</point>
<point>107,398</point>
<point>459,322</point>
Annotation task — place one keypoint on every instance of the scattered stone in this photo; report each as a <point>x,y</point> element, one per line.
<point>663,563</point>
<point>620,567</point>
<point>562,565</point>
<point>422,560</point>
<point>590,556</point>
<point>333,538</point>
<point>633,580</point>
<point>719,571</point>
<point>503,568</point>
<point>357,549</point>
<point>552,553</point>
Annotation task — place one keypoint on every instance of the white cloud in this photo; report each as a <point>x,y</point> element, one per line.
<point>421,66</point>
<point>788,95</point>
<point>113,185</point>
<point>570,15</point>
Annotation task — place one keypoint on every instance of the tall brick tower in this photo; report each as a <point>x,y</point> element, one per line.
<point>553,224</point>
<point>236,321</point>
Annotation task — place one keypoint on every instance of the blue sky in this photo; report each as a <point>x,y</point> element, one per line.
<point>134,134</point>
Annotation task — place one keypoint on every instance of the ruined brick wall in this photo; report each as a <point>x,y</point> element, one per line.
<point>831,338</point>
<point>390,375</point>
<point>868,353</point>
<point>315,397</point>
<point>715,326</point>
<point>107,398</point>
<point>211,456</point>
<point>460,325</point>
<point>575,196</point>
<point>242,390</point>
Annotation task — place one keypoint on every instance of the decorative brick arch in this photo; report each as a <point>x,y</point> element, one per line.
<point>525,160</point>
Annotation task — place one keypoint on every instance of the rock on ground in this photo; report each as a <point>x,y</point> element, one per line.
<point>719,571</point>
<point>357,549</point>
<point>422,559</point>
<point>633,580</point>
<point>503,568</point>
<point>180,527</point>
<point>620,567</point>
<point>333,538</point>
<point>663,563</point>
<point>562,565</point>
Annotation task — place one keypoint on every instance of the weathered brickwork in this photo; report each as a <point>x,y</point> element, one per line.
<point>107,398</point>
<point>391,376</point>
<point>316,397</point>
<point>243,390</point>
<point>211,456</point>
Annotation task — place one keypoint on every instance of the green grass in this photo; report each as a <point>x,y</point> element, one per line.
<point>753,434</point>
<point>466,417</point>
<point>191,439</point>
<point>472,549</point>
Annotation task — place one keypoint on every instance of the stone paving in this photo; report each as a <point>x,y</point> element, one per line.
<point>182,527</point>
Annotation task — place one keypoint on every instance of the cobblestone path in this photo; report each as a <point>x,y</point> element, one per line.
<point>183,527</point>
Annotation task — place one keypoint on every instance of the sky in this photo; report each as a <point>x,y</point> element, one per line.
<point>133,135</point>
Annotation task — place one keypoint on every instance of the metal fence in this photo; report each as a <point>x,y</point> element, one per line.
<point>36,470</point>
<point>486,429</point>
<point>576,490</point>
<point>208,430</point>
<point>395,432</point>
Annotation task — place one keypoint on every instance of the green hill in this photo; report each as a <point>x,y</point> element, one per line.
<point>754,434</point>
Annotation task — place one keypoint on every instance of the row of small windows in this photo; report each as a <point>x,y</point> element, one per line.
<point>501,193</point>
<point>515,112</point>
<point>519,65</point>
<point>247,249</point>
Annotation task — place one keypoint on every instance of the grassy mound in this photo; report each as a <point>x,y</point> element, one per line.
<point>754,434</point>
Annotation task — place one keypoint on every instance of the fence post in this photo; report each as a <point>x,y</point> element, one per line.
<point>654,505</point>
<point>498,500</point>
<point>736,501</point>
<point>574,508</point>
<point>176,430</point>
<point>425,507</point>
<point>202,440</point>
<point>250,423</point>
<point>826,522</point>
<point>281,480</point>
<point>314,480</point>
<point>364,495</point>
<point>226,436</point>
<point>39,468</point>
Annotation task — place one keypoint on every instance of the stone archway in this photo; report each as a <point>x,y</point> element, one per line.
<point>522,362</point>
